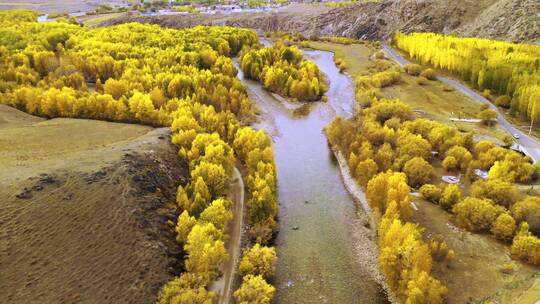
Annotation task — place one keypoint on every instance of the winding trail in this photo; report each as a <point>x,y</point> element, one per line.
<point>223,286</point>
<point>527,144</point>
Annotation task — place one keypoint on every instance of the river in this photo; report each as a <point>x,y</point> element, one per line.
<point>317,255</point>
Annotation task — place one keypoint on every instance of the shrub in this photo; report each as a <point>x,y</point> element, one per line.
<point>261,232</point>
<point>413,69</point>
<point>422,80</point>
<point>476,214</point>
<point>528,210</point>
<point>340,63</point>
<point>487,93</point>
<point>438,247</point>
<point>503,101</point>
<point>526,246</point>
<point>259,260</point>
<point>507,268</point>
<point>428,74</point>
<point>450,163</point>
<point>504,227</point>
<point>487,116</point>
<point>188,288</point>
<point>418,171</point>
<point>500,192</point>
<point>447,88</point>
<point>254,290</point>
<point>431,193</point>
<point>450,196</point>
<point>378,80</point>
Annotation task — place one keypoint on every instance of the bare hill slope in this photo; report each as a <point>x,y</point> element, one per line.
<point>82,212</point>
<point>514,20</point>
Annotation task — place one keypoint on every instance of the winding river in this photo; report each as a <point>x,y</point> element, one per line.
<point>318,258</point>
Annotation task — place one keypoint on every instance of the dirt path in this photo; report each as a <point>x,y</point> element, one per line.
<point>223,286</point>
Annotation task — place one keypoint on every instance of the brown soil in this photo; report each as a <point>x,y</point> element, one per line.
<point>475,274</point>
<point>83,210</point>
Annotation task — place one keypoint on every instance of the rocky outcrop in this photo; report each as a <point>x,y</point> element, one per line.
<point>513,20</point>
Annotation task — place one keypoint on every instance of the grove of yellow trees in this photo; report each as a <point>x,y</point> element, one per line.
<point>509,69</point>
<point>181,78</point>
<point>388,151</point>
<point>284,70</point>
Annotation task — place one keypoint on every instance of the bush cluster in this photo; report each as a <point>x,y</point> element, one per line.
<point>284,70</point>
<point>504,68</point>
<point>161,77</point>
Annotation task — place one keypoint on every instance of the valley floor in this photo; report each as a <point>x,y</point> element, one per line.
<point>476,272</point>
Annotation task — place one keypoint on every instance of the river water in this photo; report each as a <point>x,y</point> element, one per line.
<point>316,254</point>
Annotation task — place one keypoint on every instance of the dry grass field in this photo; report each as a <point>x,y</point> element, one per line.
<point>83,210</point>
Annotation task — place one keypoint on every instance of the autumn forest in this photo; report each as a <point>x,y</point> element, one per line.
<point>235,106</point>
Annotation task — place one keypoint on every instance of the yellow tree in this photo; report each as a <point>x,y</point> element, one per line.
<point>205,249</point>
<point>418,171</point>
<point>387,187</point>
<point>259,260</point>
<point>218,213</point>
<point>526,246</point>
<point>183,226</point>
<point>504,226</point>
<point>254,290</point>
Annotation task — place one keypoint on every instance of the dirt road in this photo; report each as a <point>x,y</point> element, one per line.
<point>223,286</point>
<point>527,144</point>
